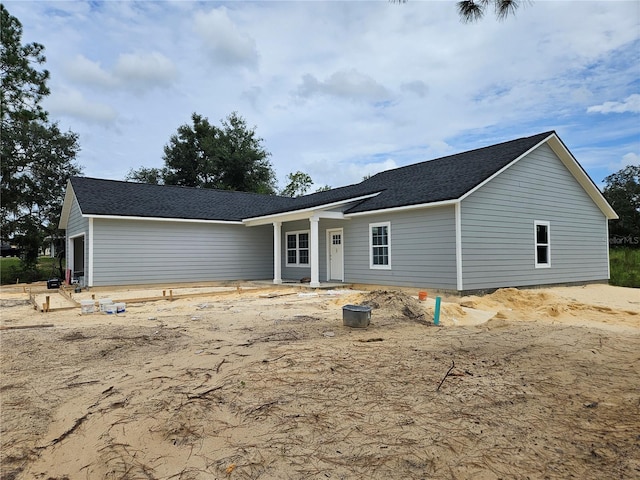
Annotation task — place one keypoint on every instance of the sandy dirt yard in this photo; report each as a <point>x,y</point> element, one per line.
<point>266,383</point>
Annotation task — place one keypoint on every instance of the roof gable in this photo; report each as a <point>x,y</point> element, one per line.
<point>446,178</point>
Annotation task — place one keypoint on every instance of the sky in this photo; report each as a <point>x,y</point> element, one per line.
<point>340,90</point>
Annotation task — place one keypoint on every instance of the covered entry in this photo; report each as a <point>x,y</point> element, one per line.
<point>334,237</point>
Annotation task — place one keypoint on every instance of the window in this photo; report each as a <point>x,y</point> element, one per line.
<point>542,242</point>
<point>380,245</point>
<point>298,248</point>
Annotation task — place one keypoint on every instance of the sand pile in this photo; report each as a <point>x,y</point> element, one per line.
<point>397,305</point>
<point>508,298</point>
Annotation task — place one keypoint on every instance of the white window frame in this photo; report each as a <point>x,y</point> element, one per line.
<point>387,266</point>
<point>537,244</point>
<point>297,249</point>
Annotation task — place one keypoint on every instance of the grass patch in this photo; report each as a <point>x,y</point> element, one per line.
<point>11,270</point>
<point>625,267</point>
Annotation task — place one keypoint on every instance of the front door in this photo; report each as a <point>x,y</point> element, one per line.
<point>335,256</point>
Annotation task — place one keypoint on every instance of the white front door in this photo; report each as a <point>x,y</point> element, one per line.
<point>335,260</point>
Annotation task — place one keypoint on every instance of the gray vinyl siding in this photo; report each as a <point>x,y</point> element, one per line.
<point>498,245</point>
<point>138,251</point>
<point>77,225</point>
<point>423,252</point>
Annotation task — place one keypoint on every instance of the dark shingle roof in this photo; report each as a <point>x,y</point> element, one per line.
<point>111,197</point>
<point>445,178</point>
<point>442,179</point>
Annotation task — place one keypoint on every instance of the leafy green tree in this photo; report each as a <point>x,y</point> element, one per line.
<point>622,191</point>
<point>230,157</point>
<point>153,176</point>
<point>299,183</point>
<point>36,157</point>
<point>324,188</point>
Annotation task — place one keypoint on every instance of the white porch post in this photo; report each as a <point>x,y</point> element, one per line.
<point>277,253</point>
<point>315,254</point>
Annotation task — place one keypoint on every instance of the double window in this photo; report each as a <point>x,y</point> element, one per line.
<point>543,244</point>
<point>298,248</point>
<point>380,245</point>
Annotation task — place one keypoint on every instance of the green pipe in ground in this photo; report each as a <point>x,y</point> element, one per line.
<point>436,313</point>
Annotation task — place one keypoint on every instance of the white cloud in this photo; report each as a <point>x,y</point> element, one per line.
<point>417,87</point>
<point>145,70</point>
<point>630,104</point>
<point>224,41</point>
<point>344,84</point>
<point>85,71</point>
<point>335,86</point>
<point>72,103</point>
<point>133,71</point>
<point>630,159</point>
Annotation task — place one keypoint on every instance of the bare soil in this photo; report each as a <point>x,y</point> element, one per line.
<point>247,383</point>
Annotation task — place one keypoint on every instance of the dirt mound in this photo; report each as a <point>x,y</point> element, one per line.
<point>396,305</point>
<point>509,298</point>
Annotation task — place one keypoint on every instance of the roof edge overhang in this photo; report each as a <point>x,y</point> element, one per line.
<point>404,208</point>
<point>569,161</point>
<point>304,213</point>
<point>69,195</point>
<point>162,219</point>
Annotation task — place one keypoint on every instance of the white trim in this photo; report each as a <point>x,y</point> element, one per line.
<point>388,265</point>
<point>314,248</point>
<point>443,203</point>
<point>569,161</point>
<point>69,196</point>
<point>606,224</point>
<point>536,244</point>
<point>277,253</point>
<point>89,279</point>
<point>329,233</point>
<point>292,215</point>
<point>286,249</point>
<point>458,220</point>
<point>69,254</point>
<point>162,219</point>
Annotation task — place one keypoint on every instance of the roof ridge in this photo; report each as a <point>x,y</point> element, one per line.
<point>464,152</point>
<point>185,187</point>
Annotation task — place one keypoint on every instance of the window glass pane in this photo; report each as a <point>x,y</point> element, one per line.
<point>381,255</point>
<point>303,240</point>
<point>543,252</point>
<point>291,241</point>
<point>291,256</point>
<point>541,234</point>
<point>304,256</point>
<point>379,235</point>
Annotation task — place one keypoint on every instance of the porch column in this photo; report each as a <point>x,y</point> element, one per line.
<point>314,252</point>
<point>277,252</point>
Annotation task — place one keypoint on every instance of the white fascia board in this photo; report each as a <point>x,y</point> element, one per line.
<point>69,195</point>
<point>572,165</point>
<point>405,208</point>
<point>163,219</point>
<point>304,213</point>
<point>581,176</point>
